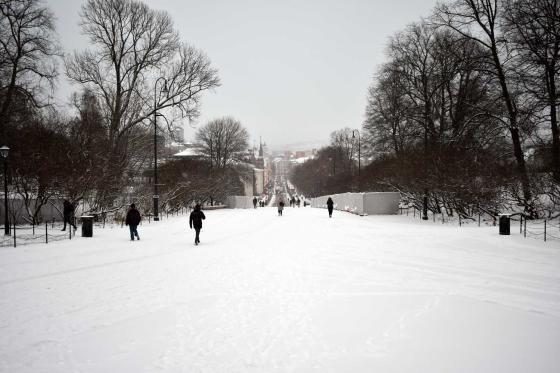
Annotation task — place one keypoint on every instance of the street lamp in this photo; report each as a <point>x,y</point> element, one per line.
<point>425,197</point>
<point>4,153</point>
<point>359,155</point>
<point>156,196</point>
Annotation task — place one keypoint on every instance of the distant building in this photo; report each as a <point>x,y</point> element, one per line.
<point>258,181</point>
<point>190,150</point>
<point>179,134</point>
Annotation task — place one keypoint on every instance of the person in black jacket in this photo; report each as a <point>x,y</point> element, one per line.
<point>196,220</point>
<point>68,214</point>
<point>255,202</point>
<point>280,207</point>
<point>132,220</point>
<point>330,204</point>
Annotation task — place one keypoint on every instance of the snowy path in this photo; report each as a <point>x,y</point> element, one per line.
<point>300,293</point>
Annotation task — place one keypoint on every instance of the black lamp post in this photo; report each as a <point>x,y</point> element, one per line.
<point>4,153</point>
<point>425,197</point>
<point>359,154</point>
<point>156,196</point>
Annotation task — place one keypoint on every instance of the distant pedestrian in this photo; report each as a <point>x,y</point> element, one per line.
<point>255,202</point>
<point>195,220</point>
<point>330,204</point>
<point>280,207</point>
<point>293,202</point>
<point>68,214</point>
<point>298,201</point>
<point>133,218</point>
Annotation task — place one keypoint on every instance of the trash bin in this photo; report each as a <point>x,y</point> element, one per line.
<point>504,224</point>
<point>87,226</point>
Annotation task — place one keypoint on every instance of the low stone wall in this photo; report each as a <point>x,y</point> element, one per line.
<point>371,203</point>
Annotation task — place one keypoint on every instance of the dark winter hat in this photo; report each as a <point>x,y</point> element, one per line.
<point>132,206</point>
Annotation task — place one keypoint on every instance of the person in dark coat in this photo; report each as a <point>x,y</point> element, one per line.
<point>330,204</point>
<point>133,218</point>
<point>68,214</point>
<point>298,202</point>
<point>280,207</point>
<point>255,202</point>
<point>195,220</point>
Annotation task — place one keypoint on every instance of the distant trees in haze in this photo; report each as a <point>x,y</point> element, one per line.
<point>221,141</point>
<point>332,170</point>
<point>186,181</point>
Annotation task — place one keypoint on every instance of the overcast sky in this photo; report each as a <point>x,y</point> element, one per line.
<point>291,71</point>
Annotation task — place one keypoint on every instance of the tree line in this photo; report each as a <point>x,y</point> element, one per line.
<point>462,115</point>
<point>135,75</point>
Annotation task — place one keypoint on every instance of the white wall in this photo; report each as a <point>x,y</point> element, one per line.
<point>372,203</point>
<point>258,176</point>
<point>381,203</point>
<point>240,202</point>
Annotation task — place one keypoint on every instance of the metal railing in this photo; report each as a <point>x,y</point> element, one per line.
<point>545,229</point>
<point>26,234</point>
<point>43,233</point>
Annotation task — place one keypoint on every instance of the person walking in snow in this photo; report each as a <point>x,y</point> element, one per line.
<point>195,220</point>
<point>280,207</point>
<point>330,204</point>
<point>255,202</point>
<point>68,214</point>
<point>298,202</point>
<point>133,218</point>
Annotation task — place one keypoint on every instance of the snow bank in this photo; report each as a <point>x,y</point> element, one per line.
<point>297,293</point>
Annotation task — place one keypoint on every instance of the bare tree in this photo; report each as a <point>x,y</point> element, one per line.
<point>86,152</point>
<point>387,127</point>
<point>479,21</point>
<point>28,45</point>
<point>534,30</point>
<point>38,164</point>
<point>133,46</point>
<point>222,140</point>
<point>346,146</point>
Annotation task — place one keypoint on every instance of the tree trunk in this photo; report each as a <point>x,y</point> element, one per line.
<point>555,151</point>
<point>513,128</point>
<point>4,111</point>
<point>521,168</point>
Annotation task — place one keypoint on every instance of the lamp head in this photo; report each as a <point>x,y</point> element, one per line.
<point>4,151</point>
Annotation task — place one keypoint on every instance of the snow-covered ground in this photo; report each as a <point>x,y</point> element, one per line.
<point>298,293</point>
